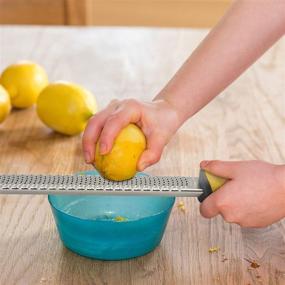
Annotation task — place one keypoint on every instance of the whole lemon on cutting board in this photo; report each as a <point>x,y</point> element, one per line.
<point>5,104</point>
<point>66,107</point>
<point>24,81</point>
<point>121,162</point>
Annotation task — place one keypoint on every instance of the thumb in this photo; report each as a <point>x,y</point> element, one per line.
<point>155,145</point>
<point>226,169</point>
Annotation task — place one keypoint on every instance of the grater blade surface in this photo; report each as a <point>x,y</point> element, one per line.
<point>179,186</point>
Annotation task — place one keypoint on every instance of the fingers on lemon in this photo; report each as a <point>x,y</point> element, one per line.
<point>24,81</point>
<point>5,104</point>
<point>121,162</point>
<point>66,107</point>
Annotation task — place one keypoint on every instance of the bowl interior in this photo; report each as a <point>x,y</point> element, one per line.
<point>107,208</point>
<point>93,207</point>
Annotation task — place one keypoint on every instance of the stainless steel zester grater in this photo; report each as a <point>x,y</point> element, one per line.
<point>91,184</point>
<point>96,185</point>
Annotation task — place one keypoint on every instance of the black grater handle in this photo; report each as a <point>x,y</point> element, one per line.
<point>209,183</point>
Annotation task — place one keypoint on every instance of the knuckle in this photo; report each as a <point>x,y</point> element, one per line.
<point>95,120</point>
<point>244,224</point>
<point>213,164</point>
<point>133,103</point>
<point>222,204</point>
<point>103,140</point>
<point>113,121</point>
<point>92,127</point>
<point>104,134</point>
<point>112,118</point>
<point>109,129</point>
<point>114,101</point>
<point>85,139</point>
<point>230,216</point>
<point>229,211</point>
<point>87,143</point>
<point>204,213</point>
<point>155,158</point>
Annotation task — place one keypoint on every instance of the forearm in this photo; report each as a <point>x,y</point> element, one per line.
<point>247,30</point>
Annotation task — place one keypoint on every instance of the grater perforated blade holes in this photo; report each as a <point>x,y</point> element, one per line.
<point>179,186</point>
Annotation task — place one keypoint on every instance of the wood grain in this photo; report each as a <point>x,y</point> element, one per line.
<point>172,13</point>
<point>245,122</point>
<point>78,12</point>
<point>187,13</point>
<point>44,12</point>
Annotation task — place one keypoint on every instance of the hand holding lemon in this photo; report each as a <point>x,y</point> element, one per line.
<point>121,147</point>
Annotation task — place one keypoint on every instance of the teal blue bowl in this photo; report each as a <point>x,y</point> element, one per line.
<point>110,227</point>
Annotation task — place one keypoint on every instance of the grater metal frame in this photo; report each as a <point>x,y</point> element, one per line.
<point>178,186</point>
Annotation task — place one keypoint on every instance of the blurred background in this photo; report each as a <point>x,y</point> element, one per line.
<point>160,13</point>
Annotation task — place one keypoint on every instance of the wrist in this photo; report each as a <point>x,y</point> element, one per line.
<point>174,115</point>
<point>171,103</point>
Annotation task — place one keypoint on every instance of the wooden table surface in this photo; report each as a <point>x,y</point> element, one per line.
<point>245,122</point>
